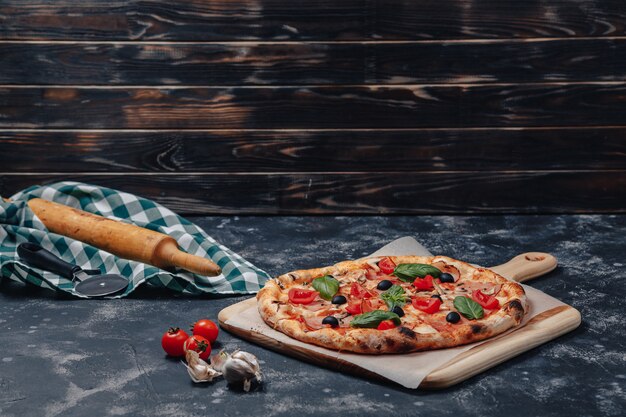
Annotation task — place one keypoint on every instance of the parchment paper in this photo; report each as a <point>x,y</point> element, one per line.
<point>407,370</point>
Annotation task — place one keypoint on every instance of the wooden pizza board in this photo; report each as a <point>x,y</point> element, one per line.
<point>540,329</point>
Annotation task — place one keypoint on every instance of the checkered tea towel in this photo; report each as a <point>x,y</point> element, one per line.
<point>19,224</point>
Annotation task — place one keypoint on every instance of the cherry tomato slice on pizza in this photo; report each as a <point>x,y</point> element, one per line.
<point>354,307</point>
<point>425,283</point>
<point>487,301</point>
<point>387,266</point>
<point>427,305</point>
<point>300,296</point>
<point>386,325</point>
<point>356,290</point>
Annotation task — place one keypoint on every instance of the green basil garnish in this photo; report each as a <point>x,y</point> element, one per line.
<point>408,272</point>
<point>469,308</point>
<point>372,319</point>
<point>327,286</point>
<point>394,296</point>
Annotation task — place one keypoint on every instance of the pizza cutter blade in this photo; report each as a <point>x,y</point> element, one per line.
<point>89,281</point>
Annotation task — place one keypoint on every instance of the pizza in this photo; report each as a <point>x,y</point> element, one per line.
<point>392,304</point>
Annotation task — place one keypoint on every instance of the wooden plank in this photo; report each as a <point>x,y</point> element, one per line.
<point>308,20</point>
<point>314,150</point>
<point>413,106</point>
<point>362,193</point>
<point>312,63</point>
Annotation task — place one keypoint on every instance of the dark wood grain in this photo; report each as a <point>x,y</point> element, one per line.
<point>309,20</point>
<point>314,107</point>
<point>312,63</point>
<point>313,151</point>
<point>373,193</point>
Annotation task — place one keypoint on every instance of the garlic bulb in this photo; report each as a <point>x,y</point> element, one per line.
<point>238,367</point>
<point>199,370</point>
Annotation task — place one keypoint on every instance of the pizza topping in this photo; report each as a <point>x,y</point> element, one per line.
<point>371,304</point>
<point>300,296</point>
<point>331,320</point>
<point>373,263</point>
<point>469,308</point>
<point>453,317</point>
<point>358,291</point>
<point>354,307</point>
<point>487,301</point>
<point>449,269</point>
<point>445,277</point>
<point>408,272</point>
<point>386,325</point>
<point>387,266</point>
<point>398,310</point>
<point>427,305</point>
<point>425,329</point>
<point>316,305</point>
<point>394,296</point>
<point>384,285</point>
<point>339,299</point>
<point>425,283</point>
<point>372,319</point>
<point>314,322</point>
<point>327,286</point>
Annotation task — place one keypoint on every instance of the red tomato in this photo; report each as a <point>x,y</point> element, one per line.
<point>425,283</point>
<point>173,341</point>
<point>354,307</point>
<point>205,328</point>
<point>387,266</point>
<point>359,292</point>
<point>370,304</point>
<point>487,301</point>
<point>300,296</point>
<point>199,344</point>
<point>427,305</point>
<point>386,325</point>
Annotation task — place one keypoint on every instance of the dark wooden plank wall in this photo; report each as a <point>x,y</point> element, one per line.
<point>320,106</point>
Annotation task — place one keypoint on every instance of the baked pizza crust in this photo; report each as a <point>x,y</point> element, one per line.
<point>278,313</point>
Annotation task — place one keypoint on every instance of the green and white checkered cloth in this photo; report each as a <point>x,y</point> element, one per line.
<point>19,224</point>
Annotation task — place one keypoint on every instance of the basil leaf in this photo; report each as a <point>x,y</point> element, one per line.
<point>372,319</point>
<point>327,286</point>
<point>394,296</point>
<point>408,272</point>
<point>469,308</point>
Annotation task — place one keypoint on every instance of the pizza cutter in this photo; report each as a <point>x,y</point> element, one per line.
<point>89,282</point>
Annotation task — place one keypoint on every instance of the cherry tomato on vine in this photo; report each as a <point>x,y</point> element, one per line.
<point>200,344</point>
<point>173,341</point>
<point>205,328</point>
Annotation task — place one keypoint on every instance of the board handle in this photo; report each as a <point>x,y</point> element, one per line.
<point>527,266</point>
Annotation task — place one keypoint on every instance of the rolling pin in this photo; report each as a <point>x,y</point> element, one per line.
<point>124,240</point>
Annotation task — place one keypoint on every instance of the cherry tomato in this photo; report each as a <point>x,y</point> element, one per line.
<point>199,344</point>
<point>358,291</point>
<point>487,301</point>
<point>386,325</point>
<point>427,305</point>
<point>300,296</point>
<point>354,307</point>
<point>173,341</point>
<point>205,328</point>
<point>425,283</point>
<point>387,266</point>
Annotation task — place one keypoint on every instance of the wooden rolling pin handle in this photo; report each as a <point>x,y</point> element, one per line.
<point>527,266</point>
<point>167,255</point>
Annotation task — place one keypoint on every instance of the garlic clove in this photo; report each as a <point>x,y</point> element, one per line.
<point>218,360</point>
<point>199,370</point>
<point>242,367</point>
